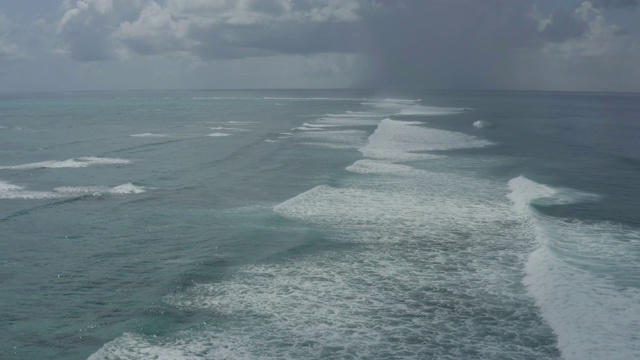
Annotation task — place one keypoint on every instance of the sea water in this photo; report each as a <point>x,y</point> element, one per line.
<point>319,225</point>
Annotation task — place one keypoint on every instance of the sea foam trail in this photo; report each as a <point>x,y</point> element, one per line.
<point>10,191</point>
<point>70,163</point>
<point>229,128</point>
<point>380,167</point>
<point>423,292</point>
<point>149,135</point>
<point>127,188</point>
<point>396,140</point>
<point>582,276</point>
<point>418,290</point>
<point>434,274</point>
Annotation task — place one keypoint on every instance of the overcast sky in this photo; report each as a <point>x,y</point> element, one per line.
<point>572,45</point>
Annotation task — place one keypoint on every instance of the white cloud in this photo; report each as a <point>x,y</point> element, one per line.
<point>86,27</point>
<point>155,31</point>
<point>214,29</point>
<point>410,43</point>
<point>601,40</point>
<point>602,58</point>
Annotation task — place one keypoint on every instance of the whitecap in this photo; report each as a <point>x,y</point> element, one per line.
<point>579,275</point>
<point>322,126</point>
<point>380,167</point>
<point>127,188</point>
<point>69,163</point>
<point>10,191</point>
<point>228,128</point>
<point>151,135</point>
<point>395,140</point>
<point>481,124</point>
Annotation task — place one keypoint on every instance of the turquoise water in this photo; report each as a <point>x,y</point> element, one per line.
<point>319,224</point>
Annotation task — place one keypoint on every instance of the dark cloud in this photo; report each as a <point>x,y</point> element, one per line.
<point>462,43</point>
<point>107,29</point>
<point>231,42</point>
<point>89,44</point>
<point>410,43</point>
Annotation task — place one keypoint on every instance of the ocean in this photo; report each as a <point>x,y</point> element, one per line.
<point>319,224</point>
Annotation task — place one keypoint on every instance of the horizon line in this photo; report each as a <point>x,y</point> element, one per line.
<point>325,89</point>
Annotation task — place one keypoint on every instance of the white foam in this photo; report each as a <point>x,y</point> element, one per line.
<point>70,163</point>
<point>10,191</point>
<point>150,135</point>
<point>376,215</point>
<point>228,128</point>
<point>434,276</point>
<point>369,303</point>
<point>233,124</point>
<point>312,99</point>
<point>310,125</point>
<point>131,346</point>
<point>525,192</point>
<point>354,114</point>
<point>219,98</point>
<point>218,134</point>
<point>395,140</point>
<point>401,101</point>
<point>6,187</point>
<point>128,188</point>
<point>577,277</point>
<point>480,124</point>
<point>380,167</point>
<point>80,190</point>
<point>90,160</point>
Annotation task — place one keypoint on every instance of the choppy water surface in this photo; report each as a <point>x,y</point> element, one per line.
<point>319,224</point>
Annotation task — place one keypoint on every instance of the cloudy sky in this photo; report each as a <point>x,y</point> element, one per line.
<point>577,45</point>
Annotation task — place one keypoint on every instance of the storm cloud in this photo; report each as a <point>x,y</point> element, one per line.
<point>471,44</point>
<point>451,44</point>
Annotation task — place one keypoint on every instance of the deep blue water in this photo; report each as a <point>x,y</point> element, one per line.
<point>319,224</point>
